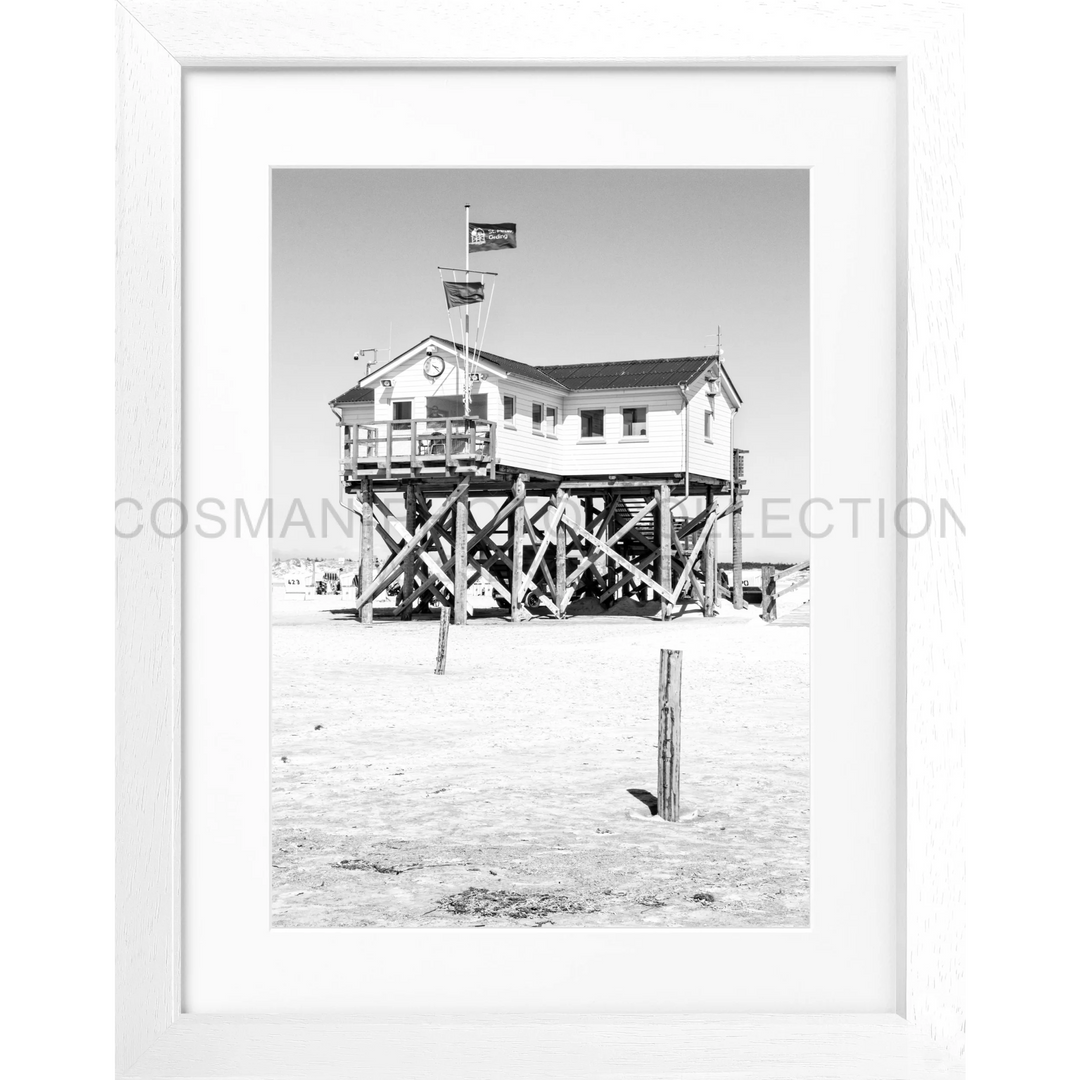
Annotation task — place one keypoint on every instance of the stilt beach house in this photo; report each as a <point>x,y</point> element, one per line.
<point>617,438</point>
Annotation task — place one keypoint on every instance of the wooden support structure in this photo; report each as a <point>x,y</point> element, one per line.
<point>517,573</point>
<point>531,551</point>
<point>415,542</point>
<point>561,597</point>
<point>461,556</point>
<point>668,737</point>
<point>409,581</point>
<point>663,500</point>
<point>768,593</point>
<point>365,610</point>
<point>444,635</point>
<point>798,568</point>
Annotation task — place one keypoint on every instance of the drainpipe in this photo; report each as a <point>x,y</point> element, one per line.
<point>686,439</point>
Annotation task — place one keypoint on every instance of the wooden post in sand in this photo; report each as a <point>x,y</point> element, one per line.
<point>444,634</point>
<point>768,593</point>
<point>668,735</point>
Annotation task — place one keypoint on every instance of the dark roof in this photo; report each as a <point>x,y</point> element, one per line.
<point>356,393</point>
<point>524,371</point>
<point>620,374</point>
<point>607,375</point>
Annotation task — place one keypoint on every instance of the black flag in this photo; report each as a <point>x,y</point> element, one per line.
<point>492,237</point>
<point>463,292</point>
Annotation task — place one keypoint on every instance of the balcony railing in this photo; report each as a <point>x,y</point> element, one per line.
<point>433,445</point>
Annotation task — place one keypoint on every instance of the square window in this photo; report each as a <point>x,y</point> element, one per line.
<point>592,423</point>
<point>509,407</point>
<point>633,421</point>
<point>537,418</point>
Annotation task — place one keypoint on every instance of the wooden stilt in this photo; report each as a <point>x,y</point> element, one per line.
<point>768,593</point>
<point>710,559</point>
<point>517,577</point>
<point>560,557</point>
<point>669,735</point>
<point>663,498</point>
<point>737,600</point>
<point>365,608</point>
<point>409,581</point>
<point>461,558</point>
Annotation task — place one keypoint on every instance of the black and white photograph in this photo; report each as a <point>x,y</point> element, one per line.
<point>538,657</point>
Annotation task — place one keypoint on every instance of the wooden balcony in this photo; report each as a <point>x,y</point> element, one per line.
<point>434,446</point>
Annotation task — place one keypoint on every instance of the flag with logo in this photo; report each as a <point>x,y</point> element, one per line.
<point>463,292</point>
<point>492,237</point>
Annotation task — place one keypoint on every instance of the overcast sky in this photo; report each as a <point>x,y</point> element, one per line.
<point>610,265</point>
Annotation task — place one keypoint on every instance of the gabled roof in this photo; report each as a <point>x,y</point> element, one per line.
<point>514,367</point>
<point>604,375</point>
<point>627,374</point>
<point>356,393</point>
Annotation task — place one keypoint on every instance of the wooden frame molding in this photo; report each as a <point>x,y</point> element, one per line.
<point>156,40</point>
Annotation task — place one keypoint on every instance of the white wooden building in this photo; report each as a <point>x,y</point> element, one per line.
<point>671,418</point>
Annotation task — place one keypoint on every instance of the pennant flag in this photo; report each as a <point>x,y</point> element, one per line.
<point>463,292</point>
<point>492,237</point>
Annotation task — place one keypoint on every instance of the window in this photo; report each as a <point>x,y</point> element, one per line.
<point>538,418</point>
<point>633,422</point>
<point>403,413</point>
<point>592,423</point>
<point>454,406</point>
<point>708,423</point>
<point>509,408</point>
<point>551,418</point>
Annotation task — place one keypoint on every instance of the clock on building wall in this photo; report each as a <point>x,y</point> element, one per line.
<point>434,366</point>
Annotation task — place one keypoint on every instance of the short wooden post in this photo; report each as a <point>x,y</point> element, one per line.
<point>461,561</point>
<point>710,558</point>
<point>409,583</point>
<point>768,593</point>
<point>668,736</point>
<point>366,613</point>
<point>663,498</point>
<point>444,634</point>
<point>517,577</point>
<point>560,558</point>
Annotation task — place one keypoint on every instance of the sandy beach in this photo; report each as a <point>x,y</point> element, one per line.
<point>496,794</point>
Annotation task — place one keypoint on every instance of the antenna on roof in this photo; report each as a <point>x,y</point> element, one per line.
<point>719,343</point>
<point>361,352</point>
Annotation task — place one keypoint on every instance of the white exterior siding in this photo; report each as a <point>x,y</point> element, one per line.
<point>411,384</point>
<point>661,449</point>
<point>710,458</point>
<point>361,412</point>
<point>517,445</point>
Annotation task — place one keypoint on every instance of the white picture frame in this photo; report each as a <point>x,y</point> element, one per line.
<point>156,40</point>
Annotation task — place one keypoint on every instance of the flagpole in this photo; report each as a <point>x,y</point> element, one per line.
<point>468,384</point>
